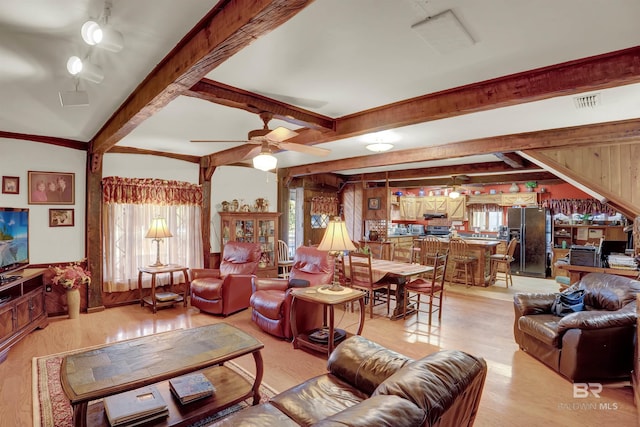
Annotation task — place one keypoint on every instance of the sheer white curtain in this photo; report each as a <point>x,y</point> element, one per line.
<point>127,216</point>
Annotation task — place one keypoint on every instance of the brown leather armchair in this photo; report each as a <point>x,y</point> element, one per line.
<point>271,298</point>
<point>596,344</point>
<point>227,289</point>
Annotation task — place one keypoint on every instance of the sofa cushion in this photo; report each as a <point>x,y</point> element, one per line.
<point>607,291</point>
<point>379,411</point>
<point>207,288</point>
<point>543,327</point>
<point>364,364</point>
<point>268,303</point>
<point>264,415</point>
<point>435,382</point>
<point>317,398</point>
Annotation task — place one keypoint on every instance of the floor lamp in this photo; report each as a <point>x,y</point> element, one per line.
<point>158,231</point>
<point>336,240</point>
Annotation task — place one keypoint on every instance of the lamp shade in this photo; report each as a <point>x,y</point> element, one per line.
<point>336,238</point>
<point>454,194</point>
<point>265,161</point>
<point>158,229</point>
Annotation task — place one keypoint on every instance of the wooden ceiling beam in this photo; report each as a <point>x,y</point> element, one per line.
<point>477,180</point>
<point>511,159</point>
<point>230,26</point>
<point>132,150</point>
<point>621,131</point>
<point>230,96</point>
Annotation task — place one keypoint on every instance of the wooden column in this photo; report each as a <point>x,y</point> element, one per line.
<point>93,243</point>
<point>206,172</point>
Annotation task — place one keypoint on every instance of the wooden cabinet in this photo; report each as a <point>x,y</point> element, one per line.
<point>253,227</point>
<point>519,199</point>
<point>456,209</point>
<point>414,207</point>
<point>408,207</point>
<point>22,308</point>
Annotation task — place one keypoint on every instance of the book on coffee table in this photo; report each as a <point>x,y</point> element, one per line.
<point>190,387</point>
<point>135,407</point>
<point>166,296</point>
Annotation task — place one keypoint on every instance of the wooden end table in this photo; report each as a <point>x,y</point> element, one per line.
<point>153,271</point>
<point>329,301</point>
<point>154,359</point>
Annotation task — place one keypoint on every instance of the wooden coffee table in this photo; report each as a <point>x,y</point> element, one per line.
<point>154,359</point>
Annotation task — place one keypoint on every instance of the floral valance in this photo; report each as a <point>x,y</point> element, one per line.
<point>580,206</point>
<point>324,205</point>
<point>150,191</point>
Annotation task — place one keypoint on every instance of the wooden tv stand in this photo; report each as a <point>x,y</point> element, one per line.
<point>22,307</point>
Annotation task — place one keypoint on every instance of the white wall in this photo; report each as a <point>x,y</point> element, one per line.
<point>63,244</point>
<point>46,244</point>
<point>245,184</point>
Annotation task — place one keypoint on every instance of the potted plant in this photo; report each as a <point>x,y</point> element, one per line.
<point>530,185</point>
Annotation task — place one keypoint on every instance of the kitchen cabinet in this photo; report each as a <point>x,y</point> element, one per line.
<point>456,209</point>
<point>519,199</point>
<point>253,227</point>
<point>414,207</point>
<point>408,207</point>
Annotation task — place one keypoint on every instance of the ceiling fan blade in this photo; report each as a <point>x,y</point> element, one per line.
<point>244,141</point>
<point>306,149</point>
<point>280,134</point>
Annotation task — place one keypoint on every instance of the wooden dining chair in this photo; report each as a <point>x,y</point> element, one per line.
<point>284,261</point>
<point>429,247</point>
<point>463,260</point>
<point>361,277</point>
<point>501,263</point>
<point>431,288</point>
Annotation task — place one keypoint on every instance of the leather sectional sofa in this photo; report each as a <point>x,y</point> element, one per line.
<point>596,344</point>
<point>369,385</point>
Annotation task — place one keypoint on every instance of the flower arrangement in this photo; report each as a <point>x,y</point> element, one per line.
<point>71,276</point>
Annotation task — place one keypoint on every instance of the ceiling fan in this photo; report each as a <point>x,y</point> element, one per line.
<point>273,138</point>
<point>455,187</point>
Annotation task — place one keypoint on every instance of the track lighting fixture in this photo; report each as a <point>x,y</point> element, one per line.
<point>101,34</point>
<point>84,69</point>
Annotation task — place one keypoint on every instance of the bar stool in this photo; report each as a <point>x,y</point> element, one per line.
<point>416,251</point>
<point>429,248</point>
<point>461,257</point>
<point>501,263</point>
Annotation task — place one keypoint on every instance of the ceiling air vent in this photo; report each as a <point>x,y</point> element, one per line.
<point>587,101</point>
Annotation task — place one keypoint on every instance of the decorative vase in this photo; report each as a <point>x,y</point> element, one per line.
<point>73,303</point>
<point>514,188</point>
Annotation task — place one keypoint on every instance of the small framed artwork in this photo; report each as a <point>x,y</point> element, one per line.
<point>51,188</point>
<point>373,203</point>
<point>61,218</point>
<point>11,184</point>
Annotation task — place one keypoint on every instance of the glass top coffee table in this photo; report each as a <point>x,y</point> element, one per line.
<point>154,359</point>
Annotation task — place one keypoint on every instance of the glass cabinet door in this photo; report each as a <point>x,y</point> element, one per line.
<point>267,240</point>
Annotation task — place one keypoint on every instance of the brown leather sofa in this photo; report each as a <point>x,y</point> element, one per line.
<point>271,298</point>
<point>369,385</point>
<point>596,344</point>
<point>227,289</point>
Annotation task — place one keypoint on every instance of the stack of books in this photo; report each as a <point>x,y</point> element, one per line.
<point>135,407</point>
<point>188,388</point>
<point>166,296</point>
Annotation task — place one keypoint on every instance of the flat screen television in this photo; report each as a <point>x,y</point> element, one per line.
<point>14,239</point>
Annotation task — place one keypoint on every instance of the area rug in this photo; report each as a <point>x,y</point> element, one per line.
<point>51,408</point>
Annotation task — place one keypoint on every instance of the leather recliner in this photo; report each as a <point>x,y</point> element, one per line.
<point>596,344</point>
<point>226,290</point>
<point>271,298</point>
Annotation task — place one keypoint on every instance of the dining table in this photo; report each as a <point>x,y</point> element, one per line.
<point>398,273</point>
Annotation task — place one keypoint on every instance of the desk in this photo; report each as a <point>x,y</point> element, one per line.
<point>577,271</point>
<point>153,271</point>
<point>398,273</point>
<point>329,300</point>
<point>154,359</point>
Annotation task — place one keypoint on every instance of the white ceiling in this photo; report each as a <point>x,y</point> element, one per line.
<point>335,58</point>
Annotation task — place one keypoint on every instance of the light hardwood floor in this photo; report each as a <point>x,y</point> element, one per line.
<point>519,391</point>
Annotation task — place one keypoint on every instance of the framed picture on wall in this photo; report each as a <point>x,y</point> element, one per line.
<point>11,184</point>
<point>51,188</point>
<point>373,203</point>
<point>61,218</point>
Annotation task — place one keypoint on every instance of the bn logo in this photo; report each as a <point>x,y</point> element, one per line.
<point>582,390</point>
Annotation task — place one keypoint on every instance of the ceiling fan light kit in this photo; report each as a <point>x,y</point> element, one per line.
<point>265,161</point>
<point>379,147</point>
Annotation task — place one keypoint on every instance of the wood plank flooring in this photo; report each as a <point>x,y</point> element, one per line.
<point>519,391</point>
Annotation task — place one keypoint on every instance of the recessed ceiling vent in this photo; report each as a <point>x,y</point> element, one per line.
<point>587,101</point>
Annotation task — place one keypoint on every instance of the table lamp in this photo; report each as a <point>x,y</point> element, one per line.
<point>158,231</point>
<point>335,241</point>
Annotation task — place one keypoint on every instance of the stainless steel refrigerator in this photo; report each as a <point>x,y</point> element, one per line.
<point>532,228</point>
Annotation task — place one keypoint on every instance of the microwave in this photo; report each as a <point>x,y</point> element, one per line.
<point>416,229</point>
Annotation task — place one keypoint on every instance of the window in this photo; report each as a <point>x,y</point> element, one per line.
<point>485,217</point>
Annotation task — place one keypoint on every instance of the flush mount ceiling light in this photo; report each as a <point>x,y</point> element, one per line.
<point>380,141</point>
<point>84,69</point>
<point>101,34</point>
<point>265,161</point>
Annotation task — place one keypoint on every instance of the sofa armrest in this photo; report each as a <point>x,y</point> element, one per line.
<point>198,273</point>
<point>598,319</point>
<point>528,303</point>
<point>265,284</point>
<point>364,364</point>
